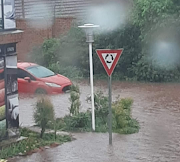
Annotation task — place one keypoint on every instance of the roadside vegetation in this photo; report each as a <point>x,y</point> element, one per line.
<point>78,121</point>
<point>148,19</point>
<point>43,115</point>
<point>32,144</point>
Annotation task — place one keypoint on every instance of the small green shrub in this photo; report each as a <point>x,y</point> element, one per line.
<point>75,100</point>
<point>75,88</point>
<point>74,96</point>
<point>101,107</point>
<point>101,104</point>
<point>123,122</point>
<point>44,113</point>
<point>60,124</point>
<point>81,121</point>
<point>57,124</point>
<point>101,125</point>
<point>28,133</point>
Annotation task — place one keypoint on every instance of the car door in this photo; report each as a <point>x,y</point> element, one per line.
<point>25,86</point>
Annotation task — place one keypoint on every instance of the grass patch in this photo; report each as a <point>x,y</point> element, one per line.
<point>32,142</point>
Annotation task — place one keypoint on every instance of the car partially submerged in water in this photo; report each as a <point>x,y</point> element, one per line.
<point>33,78</point>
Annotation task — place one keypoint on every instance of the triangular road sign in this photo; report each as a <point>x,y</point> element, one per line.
<point>109,58</point>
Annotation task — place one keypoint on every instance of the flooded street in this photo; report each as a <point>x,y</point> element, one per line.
<point>156,107</point>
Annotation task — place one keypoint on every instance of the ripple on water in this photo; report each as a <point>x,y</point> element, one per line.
<point>156,107</point>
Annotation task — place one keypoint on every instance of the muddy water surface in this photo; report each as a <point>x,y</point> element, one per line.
<point>156,107</point>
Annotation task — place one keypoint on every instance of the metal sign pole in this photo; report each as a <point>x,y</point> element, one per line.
<point>109,66</point>
<point>91,82</point>
<point>110,111</point>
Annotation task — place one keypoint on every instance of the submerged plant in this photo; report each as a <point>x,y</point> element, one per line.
<point>123,122</point>
<point>75,100</point>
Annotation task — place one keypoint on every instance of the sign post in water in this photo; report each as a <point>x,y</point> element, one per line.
<point>109,59</point>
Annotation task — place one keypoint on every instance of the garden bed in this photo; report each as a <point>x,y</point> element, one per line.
<point>32,144</point>
<point>76,121</point>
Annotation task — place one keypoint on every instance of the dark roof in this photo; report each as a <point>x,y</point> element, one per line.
<point>59,8</point>
<point>71,7</point>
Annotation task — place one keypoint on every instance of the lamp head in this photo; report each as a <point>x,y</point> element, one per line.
<point>88,28</point>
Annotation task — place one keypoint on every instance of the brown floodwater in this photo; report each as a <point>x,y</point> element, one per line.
<point>156,107</point>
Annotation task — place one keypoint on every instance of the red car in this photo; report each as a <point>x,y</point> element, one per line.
<point>33,78</point>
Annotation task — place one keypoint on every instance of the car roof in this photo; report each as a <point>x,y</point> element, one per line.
<point>24,65</point>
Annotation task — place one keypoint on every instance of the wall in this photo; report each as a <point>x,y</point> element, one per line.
<point>10,36</point>
<point>32,37</point>
<point>62,10</point>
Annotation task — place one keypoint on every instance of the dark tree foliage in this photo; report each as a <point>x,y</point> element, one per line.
<point>151,21</point>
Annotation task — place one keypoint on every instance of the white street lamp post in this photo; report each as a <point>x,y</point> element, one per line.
<point>89,39</point>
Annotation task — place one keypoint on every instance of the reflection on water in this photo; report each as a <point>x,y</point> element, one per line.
<point>156,107</point>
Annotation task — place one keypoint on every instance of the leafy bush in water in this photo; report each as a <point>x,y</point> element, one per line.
<point>101,106</point>
<point>44,113</point>
<point>75,88</point>
<point>81,121</point>
<point>75,100</point>
<point>123,122</point>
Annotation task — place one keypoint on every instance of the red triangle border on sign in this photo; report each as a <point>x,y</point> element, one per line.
<point>101,51</point>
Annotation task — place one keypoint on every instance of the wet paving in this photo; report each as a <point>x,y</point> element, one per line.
<point>156,107</point>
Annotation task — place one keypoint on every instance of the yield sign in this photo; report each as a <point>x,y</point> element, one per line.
<point>109,58</point>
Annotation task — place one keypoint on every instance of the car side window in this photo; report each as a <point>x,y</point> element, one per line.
<point>22,74</point>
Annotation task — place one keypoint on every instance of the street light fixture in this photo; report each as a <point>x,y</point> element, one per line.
<point>89,39</point>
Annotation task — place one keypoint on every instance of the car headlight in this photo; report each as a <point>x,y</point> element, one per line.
<point>53,85</point>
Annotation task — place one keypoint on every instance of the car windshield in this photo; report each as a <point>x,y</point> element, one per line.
<point>40,71</point>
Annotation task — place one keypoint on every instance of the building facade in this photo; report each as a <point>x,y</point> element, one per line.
<point>9,37</point>
<point>45,19</point>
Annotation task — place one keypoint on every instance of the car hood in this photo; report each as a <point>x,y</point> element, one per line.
<point>57,79</point>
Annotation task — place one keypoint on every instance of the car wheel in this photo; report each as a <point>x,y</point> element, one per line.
<point>66,89</point>
<point>41,91</point>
